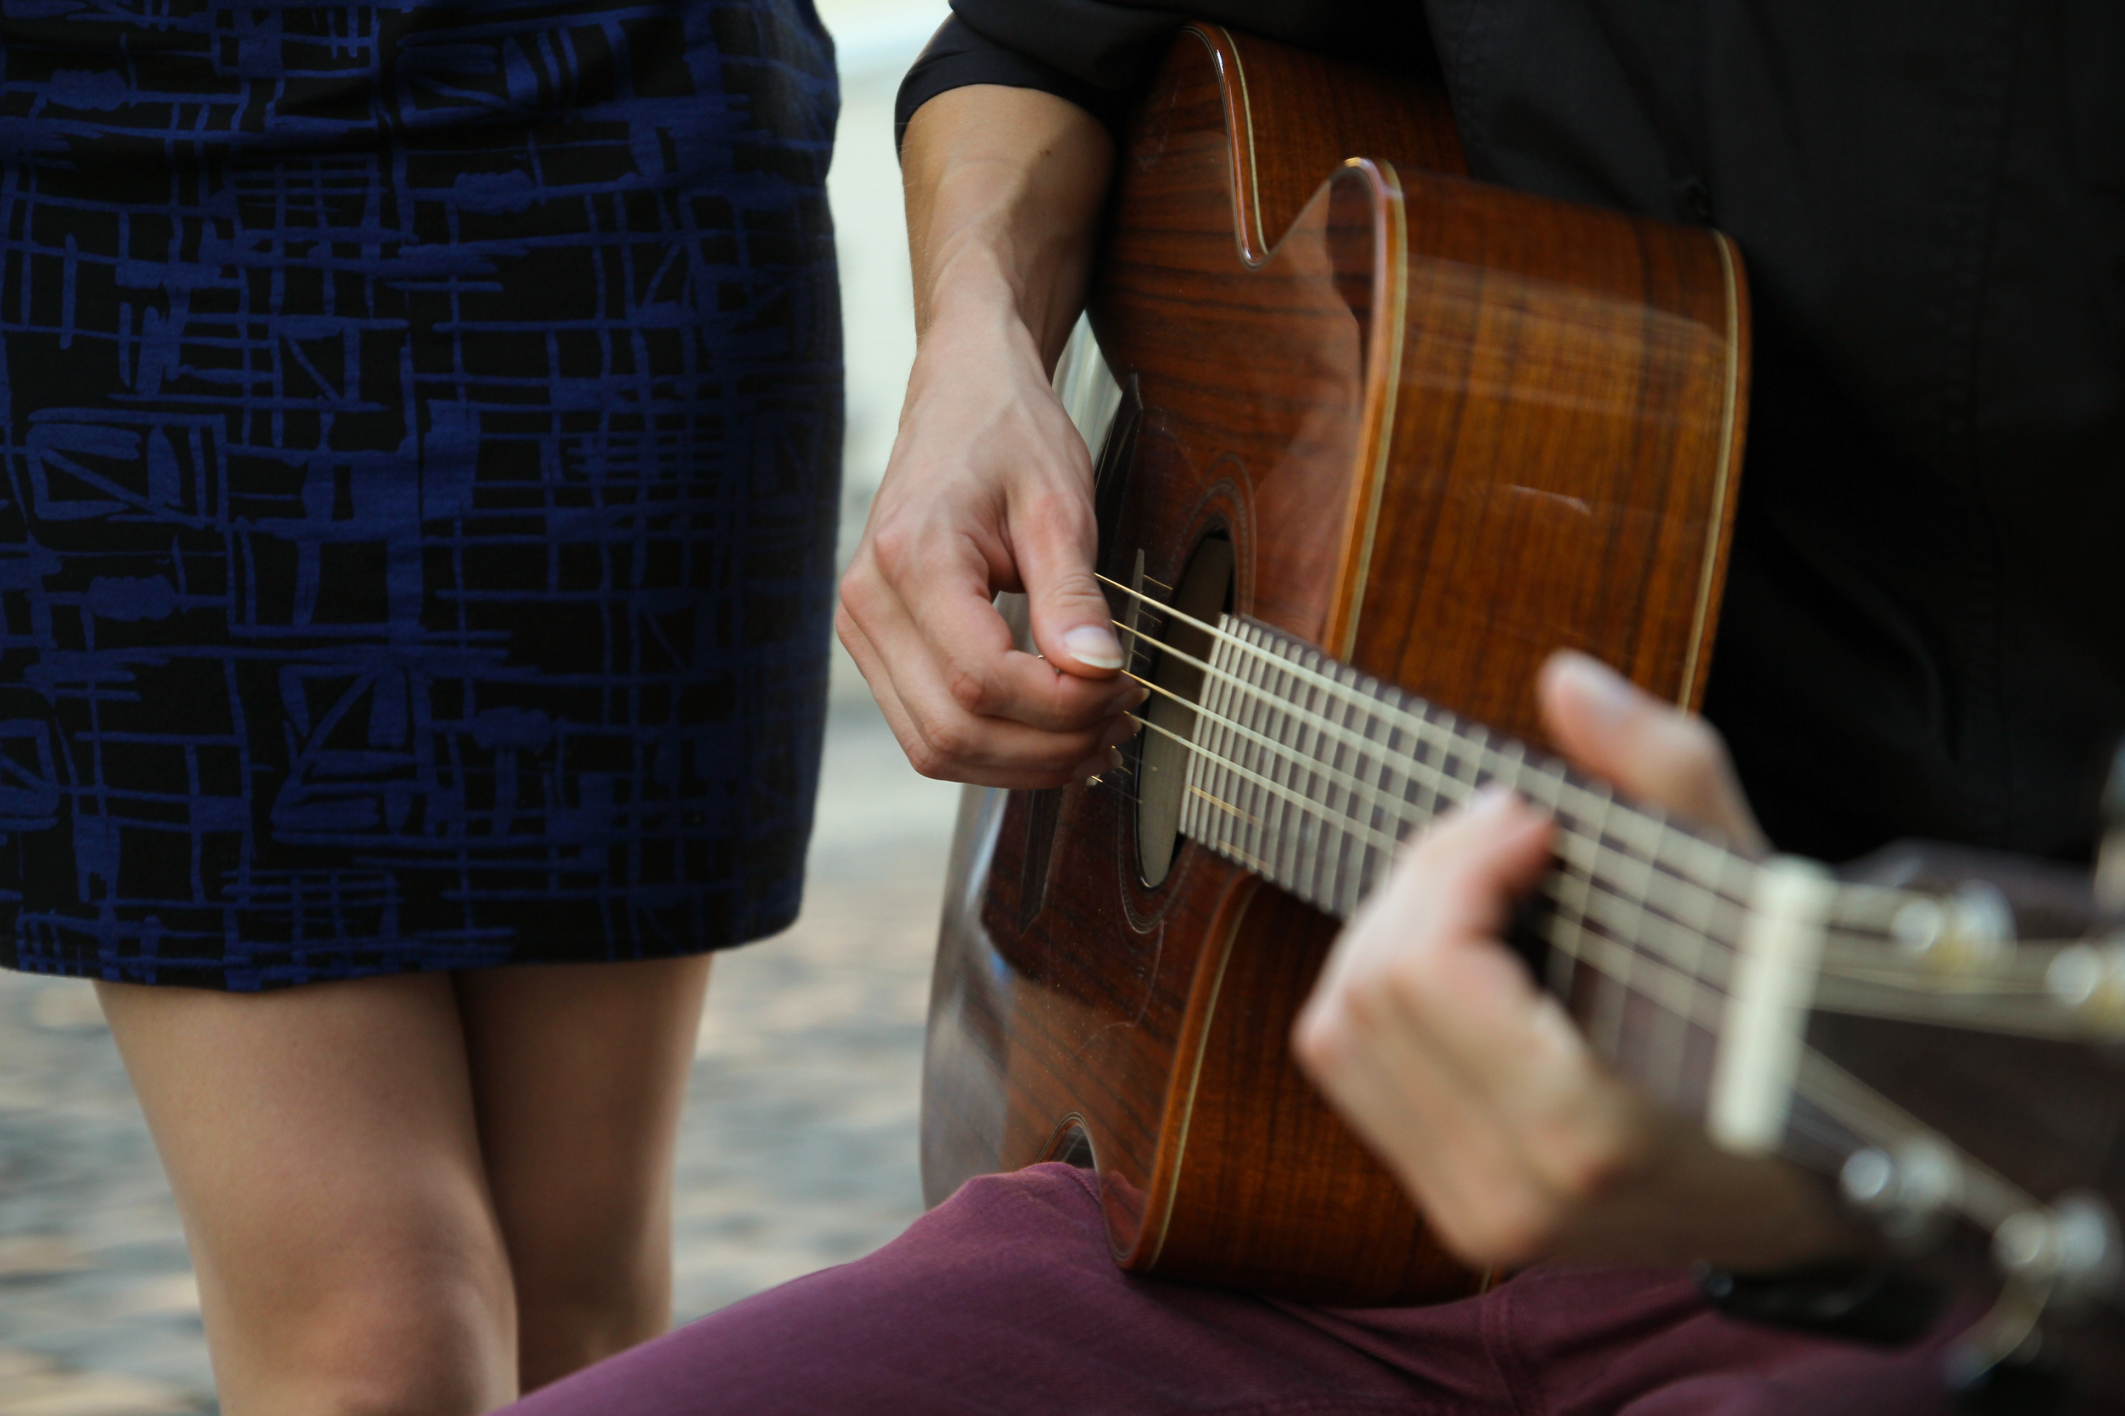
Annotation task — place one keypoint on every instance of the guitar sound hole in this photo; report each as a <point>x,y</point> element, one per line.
<point>1073,1147</point>
<point>1204,593</point>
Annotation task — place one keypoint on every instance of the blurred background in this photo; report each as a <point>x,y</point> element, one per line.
<point>798,1146</point>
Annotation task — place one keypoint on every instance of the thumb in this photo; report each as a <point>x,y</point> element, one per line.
<point>1072,623</point>
<point>1651,749</point>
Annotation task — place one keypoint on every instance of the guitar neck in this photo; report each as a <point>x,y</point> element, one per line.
<point>1310,773</point>
<point>1692,966</point>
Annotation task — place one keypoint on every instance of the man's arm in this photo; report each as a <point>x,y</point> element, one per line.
<point>1478,1091</point>
<point>989,487</point>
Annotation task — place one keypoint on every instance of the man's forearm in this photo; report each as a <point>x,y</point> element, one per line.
<point>1004,187</point>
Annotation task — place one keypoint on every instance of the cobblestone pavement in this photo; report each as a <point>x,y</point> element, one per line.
<point>797,1148</point>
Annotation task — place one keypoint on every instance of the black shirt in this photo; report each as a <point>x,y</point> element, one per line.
<point>1920,632</point>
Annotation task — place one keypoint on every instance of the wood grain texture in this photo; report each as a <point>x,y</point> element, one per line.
<point>1447,428</point>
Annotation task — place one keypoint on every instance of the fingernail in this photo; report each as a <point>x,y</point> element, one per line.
<point>1094,646</point>
<point>1605,692</point>
<point>1092,766</point>
<point>1491,799</point>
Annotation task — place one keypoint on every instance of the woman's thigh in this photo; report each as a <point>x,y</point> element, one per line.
<point>579,1071</point>
<point>322,1146</point>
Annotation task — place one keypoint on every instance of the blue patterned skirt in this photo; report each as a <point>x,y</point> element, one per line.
<point>422,432</point>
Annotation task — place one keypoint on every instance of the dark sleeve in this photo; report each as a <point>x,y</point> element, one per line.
<point>1095,54</point>
<point>1099,54</point>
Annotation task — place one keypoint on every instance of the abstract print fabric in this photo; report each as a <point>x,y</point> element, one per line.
<point>422,435</point>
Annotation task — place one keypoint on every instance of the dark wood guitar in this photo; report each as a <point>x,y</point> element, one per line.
<point>1368,450</point>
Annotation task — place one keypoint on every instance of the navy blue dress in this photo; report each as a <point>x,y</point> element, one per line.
<point>422,429</point>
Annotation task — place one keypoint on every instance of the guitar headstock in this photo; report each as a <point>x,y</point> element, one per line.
<point>1969,1045</point>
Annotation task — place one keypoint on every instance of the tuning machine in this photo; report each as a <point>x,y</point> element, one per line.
<point>1969,929</point>
<point>1909,1192</point>
<point>2088,981</point>
<point>2057,1259</point>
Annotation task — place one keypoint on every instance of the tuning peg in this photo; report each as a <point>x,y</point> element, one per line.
<point>1971,929</point>
<point>2110,854</point>
<point>2065,1256</point>
<point>1909,1193</point>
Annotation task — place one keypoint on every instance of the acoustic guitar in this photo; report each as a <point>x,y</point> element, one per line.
<point>1368,449</point>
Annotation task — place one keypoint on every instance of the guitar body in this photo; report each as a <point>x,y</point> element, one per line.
<point>1438,429</point>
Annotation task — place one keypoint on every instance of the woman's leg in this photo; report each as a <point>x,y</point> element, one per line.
<point>322,1146</point>
<point>578,1071</point>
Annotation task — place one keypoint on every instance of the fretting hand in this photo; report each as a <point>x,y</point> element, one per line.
<point>1476,1088</point>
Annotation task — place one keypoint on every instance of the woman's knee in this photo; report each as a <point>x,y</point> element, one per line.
<point>576,1305</point>
<point>392,1342</point>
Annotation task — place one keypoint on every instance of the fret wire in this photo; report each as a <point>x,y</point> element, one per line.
<point>1395,749</point>
<point>1358,860</point>
<point>1988,1198</point>
<point>1322,864</point>
<point>1305,774</point>
<point>1321,723</point>
<point>1683,896</point>
<point>1383,706</point>
<point>1347,860</point>
<point>1671,1043</point>
<point>1610,991</point>
<point>1582,855</point>
<point>1387,842</point>
<point>1204,768</point>
<point>1261,714</point>
<point>1447,740</point>
<point>1281,765</point>
<point>1614,911</point>
<point>1675,990</point>
<point>1341,825</point>
<point>1265,760</point>
<point>1336,785</point>
<point>1585,902</point>
<point>1582,850</point>
<point>1679,984</point>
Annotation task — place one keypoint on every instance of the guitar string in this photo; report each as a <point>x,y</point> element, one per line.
<point>1686,990</point>
<point>1855,1108</point>
<point>1695,1000</point>
<point>1848,900</point>
<point>1610,910</point>
<point>1391,806</point>
<point>1938,996</point>
<point>1911,995</point>
<point>1474,746</point>
<point>1665,965</point>
<point>1669,898</point>
<point>1849,1108</point>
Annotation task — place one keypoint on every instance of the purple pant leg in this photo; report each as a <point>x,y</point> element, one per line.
<point>1003,1300</point>
<point>1608,1341</point>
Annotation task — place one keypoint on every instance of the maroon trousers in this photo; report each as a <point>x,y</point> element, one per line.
<point>1004,1300</point>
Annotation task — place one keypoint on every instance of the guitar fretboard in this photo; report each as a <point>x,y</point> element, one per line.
<point>1309,773</point>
